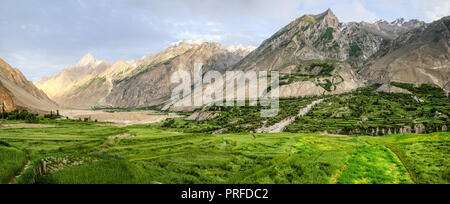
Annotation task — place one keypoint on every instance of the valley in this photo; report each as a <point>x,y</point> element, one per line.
<point>358,103</point>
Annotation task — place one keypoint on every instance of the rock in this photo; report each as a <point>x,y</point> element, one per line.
<point>444,128</point>
<point>202,116</point>
<point>219,132</point>
<point>392,89</point>
<point>407,129</point>
<point>419,128</point>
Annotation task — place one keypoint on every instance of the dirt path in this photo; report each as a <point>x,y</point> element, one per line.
<point>338,174</point>
<point>26,125</point>
<point>21,173</point>
<point>125,118</point>
<point>403,164</point>
<point>279,127</point>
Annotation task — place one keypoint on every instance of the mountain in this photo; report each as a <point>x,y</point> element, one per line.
<point>87,68</point>
<point>140,83</point>
<point>315,55</point>
<point>419,56</point>
<point>16,92</point>
<point>320,37</point>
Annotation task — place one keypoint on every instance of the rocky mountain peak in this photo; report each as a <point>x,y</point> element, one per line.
<point>191,43</point>
<point>88,59</point>
<point>328,18</point>
<point>399,22</point>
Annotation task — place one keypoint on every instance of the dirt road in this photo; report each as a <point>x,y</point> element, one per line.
<point>126,118</point>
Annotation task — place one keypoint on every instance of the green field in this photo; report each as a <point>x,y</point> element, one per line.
<point>80,152</point>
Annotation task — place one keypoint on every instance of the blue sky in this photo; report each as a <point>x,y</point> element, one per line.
<point>42,37</point>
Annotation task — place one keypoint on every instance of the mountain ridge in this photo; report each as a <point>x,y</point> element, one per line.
<point>315,54</point>
<point>108,86</point>
<point>16,92</point>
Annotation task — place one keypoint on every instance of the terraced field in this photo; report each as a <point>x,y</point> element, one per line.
<point>82,152</point>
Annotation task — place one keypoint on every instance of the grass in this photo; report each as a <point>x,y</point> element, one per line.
<point>374,165</point>
<point>106,171</point>
<point>425,156</point>
<point>79,152</point>
<point>185,152</point>
<point>11,163</point>
<point>364,111</point>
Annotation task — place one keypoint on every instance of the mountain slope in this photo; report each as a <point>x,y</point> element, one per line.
<point>16,92</point>
<point>319,37</point>
<point>420,56</point>
<point>87,68</point>
<point>141,83</point>
<point>151,86</point>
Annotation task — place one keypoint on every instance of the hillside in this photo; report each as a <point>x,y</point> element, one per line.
<point>71,78</point>
<point>16,92</point>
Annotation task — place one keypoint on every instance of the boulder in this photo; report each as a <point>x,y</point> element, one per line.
<point>419,128</point>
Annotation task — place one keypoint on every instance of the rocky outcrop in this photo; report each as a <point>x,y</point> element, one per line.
<point>419,128</point>
<point>387,88</point>
<point>343,79</point>
<point>6,100</point>
<point>202,115</point>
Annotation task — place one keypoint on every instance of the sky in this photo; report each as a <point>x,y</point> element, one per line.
<point>42,37</point>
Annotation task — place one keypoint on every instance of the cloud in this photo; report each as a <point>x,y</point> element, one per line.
<point>358,12</point>
<point>42,37</point>
<point>438,10</point>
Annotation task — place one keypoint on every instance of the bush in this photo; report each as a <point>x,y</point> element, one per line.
<point>168,123</point>
<point>32,119</point>
<point>355,50</point>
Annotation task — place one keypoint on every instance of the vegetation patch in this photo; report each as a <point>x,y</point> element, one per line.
<point>97,81</point>
<point>11,163</point>
<point>327,36</point>
<point>374,165</point>
<point>367,112</point>
<point>355,50</point>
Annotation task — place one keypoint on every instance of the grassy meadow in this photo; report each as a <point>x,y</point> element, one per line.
<point>68,151</point>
